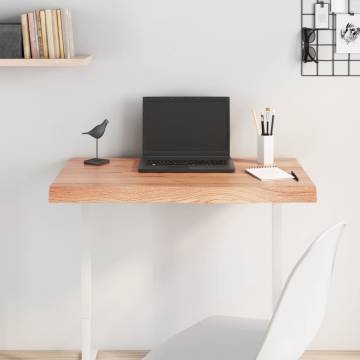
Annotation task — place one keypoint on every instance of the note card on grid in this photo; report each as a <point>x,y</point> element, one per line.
<point>269,173</point>
<point>321,16</point>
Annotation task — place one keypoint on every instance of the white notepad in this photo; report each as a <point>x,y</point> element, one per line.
<point>269,173</point>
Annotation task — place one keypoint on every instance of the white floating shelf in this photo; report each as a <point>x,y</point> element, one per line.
<point>80,60</point>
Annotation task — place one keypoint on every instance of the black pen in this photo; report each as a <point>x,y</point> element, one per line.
<point>272,124</point>
<point>262,125</point>
<point>295,176</point>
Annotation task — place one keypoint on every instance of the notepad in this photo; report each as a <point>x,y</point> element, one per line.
<point>269,173</point>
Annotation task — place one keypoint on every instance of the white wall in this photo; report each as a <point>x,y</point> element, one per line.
<point>159,268</point>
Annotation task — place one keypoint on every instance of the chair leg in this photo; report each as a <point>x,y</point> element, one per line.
<point>277,253</point>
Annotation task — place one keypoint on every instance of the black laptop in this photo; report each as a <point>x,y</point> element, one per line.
<point>186,134</point>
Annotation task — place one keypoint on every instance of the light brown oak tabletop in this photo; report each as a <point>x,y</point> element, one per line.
<point>120,182</point>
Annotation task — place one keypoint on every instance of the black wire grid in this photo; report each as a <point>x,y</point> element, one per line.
<point>329,62</point>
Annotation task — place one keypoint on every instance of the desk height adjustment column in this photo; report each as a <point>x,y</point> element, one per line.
<point>86,288</point>
<point>277,253</point>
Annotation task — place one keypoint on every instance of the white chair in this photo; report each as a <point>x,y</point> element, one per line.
<point>295,322</point>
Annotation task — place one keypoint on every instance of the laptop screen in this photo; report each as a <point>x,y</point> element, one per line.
<point>186,127</point>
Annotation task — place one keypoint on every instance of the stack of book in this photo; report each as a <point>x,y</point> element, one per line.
<point>48,34</point>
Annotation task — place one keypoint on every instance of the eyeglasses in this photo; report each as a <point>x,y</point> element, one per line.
<point>308,52</point>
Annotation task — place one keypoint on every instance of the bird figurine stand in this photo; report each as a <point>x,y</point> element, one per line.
<point>97,132</point>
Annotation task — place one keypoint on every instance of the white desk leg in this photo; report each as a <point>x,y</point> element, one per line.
<point>277,252</point>
<point>86,287</point>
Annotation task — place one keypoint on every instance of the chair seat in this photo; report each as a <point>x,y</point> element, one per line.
<point>215,338</point>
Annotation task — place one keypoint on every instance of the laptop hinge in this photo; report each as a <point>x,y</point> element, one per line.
<point>187,157</point>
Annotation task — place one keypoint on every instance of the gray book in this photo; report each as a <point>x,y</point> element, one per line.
<point>11,41</point>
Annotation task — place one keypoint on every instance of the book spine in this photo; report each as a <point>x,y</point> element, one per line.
<point>39,35</point>
<point>25,36</point>
<point>50,35</point>
<point>44,34</point>
<point>36,36</point>
<point>65,33</point>
<point>33,36</point>
<point>71,34</point>
<point>61,38</point>
<point>55,34</point>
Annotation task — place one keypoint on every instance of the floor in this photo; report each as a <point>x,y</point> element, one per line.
<point>138,355</point>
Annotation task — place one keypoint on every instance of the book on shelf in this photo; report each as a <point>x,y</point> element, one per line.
<point>56,34</point>
<point>25,36</point>
<point>48,34</point>
<point>60,31</point>
<point>34,46</point>
<point>44,34</point>
<point>71,33</point>
<point>39,34</point>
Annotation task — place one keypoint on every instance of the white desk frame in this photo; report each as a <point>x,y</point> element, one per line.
<point>88,353</point>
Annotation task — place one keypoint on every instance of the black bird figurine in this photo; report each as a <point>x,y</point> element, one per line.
<point>97,132</point>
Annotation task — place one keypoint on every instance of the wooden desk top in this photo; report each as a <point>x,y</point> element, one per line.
<point>120,182</point>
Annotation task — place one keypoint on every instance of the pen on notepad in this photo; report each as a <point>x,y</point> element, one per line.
<point>295,176</point>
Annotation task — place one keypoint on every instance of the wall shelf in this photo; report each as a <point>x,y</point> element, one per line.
<point>80,60</point>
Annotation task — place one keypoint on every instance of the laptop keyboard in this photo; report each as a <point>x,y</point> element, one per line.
<point>186,162</point>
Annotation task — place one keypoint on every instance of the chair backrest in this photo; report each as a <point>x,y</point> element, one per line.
<point>302,305</point>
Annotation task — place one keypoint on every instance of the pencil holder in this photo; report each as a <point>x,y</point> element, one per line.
<point>265,150</point>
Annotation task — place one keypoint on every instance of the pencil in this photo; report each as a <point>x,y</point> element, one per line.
<point>256,122</point>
